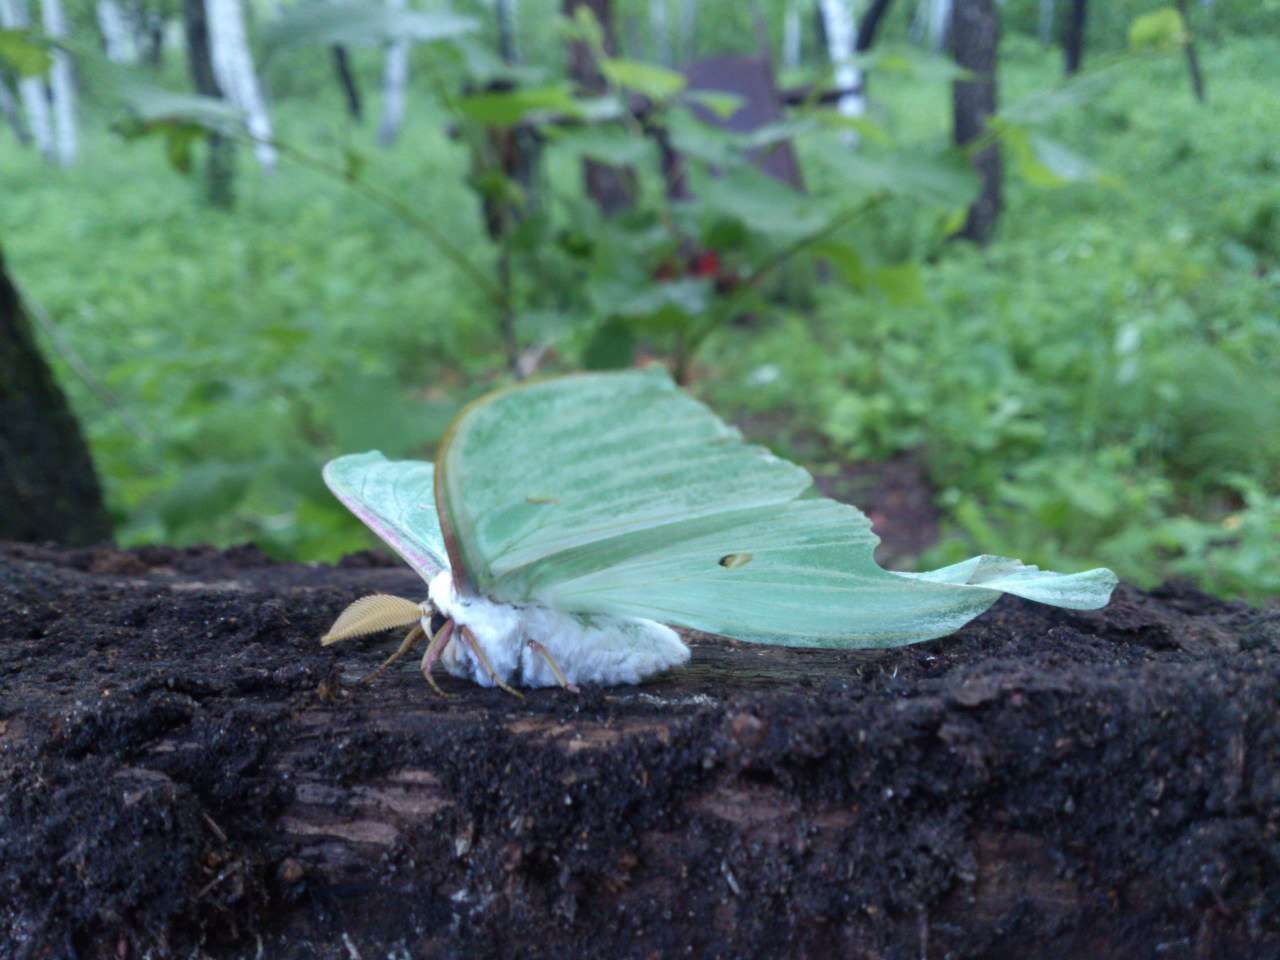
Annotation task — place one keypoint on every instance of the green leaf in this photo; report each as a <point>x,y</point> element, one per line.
<point>692,137</point>
<point>1041,161</point>
<point>22,53</point>
<point>611,347</point>
<point>913,64</point>
<point>505,108</point>
<point>723,105</point>
<point>179,141</point>
<point>1160,31</point>
<point>358,23</point>
<point>656,83</point>
<point>901,283</point>
<point>611,144</point>
<point>762,204</point>
<point>151,105</point>
<point>943,178</point>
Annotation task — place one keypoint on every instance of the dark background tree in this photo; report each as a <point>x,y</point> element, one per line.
<point>869,25</point>
<point>48,487</point>
<point>1193,57</point>
<point>1073,41</point>
<point>612,188</point>
<point>220,162</point>
<point>347,81</point>
<point>975,40</point>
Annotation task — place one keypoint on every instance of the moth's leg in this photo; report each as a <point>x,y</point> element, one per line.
<point>474,645</point>
<point>432,654</point>
<point>538,648</point>
<point>414,635</point>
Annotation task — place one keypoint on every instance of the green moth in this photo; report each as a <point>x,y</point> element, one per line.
<point>568,523</point>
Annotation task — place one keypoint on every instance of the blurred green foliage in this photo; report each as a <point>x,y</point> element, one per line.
<point>1101,385</point>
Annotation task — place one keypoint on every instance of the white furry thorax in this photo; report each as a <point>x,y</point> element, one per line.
<point>588,648</point>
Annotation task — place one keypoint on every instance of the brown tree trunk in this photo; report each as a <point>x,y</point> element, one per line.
<point>975,39</point>
<point>1073,43</point>
<point>48,487</point>
<point>612,188</point>
<point>220,161</point>
<point>185,771</point>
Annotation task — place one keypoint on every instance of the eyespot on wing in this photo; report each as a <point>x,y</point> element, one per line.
<point>732,560</point>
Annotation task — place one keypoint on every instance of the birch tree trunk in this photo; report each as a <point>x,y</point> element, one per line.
<point>61,85</point>
<point>35,103</point>
<point>117,38</point>
<point>233,66</point>
<point>395,81</point>
<point>791,36</point>
<point>939,23</point>
<point>508,48</point>
<point>660,30</point>
<point>688,24</point>
<point>975,38</point>
<point>12,113</point>
<point>838,25</point>
<point>1048,12</point>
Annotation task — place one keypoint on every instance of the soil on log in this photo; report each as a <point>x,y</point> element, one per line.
<point>184,772</point>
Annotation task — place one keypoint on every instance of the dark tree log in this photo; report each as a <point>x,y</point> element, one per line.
<point>975,39</point>
<point>182,765</point>
<point>48,487</point>
<point>612,188</point>
<point>1073,43</point>
<point>347,81</point>
<point>220,160</point>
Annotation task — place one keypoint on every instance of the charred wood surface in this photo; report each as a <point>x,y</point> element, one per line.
<point>184,771</point>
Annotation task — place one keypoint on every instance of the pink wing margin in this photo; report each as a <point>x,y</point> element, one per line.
<point>396,500</point>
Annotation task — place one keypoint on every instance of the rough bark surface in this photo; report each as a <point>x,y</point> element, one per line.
<point>975,40</point>
<point>185,772</point>
<point>48,487</point>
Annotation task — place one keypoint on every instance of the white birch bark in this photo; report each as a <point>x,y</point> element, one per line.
<point>660,31</point>
<point>395,81</point>
<point>791,36</point>
<point>838,23</point>
<point>233,67</point>
<point>688,23</point>
<point>61,86</point>
<point>117,38</point>
<point>35,103</point>
<point>937,23</point>
<point>1048,9</point>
